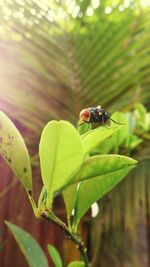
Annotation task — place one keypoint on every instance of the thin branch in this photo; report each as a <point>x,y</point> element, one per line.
<point>49,216</point>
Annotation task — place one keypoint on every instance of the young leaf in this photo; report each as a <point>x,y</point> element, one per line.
<point>29,246</point>
<point>98,172</point>
<point>97,136</point>
<point>92,190</point>
<point>55,256</point>
<point>96,166</point>
<point>76,264</point>
<point>69,195</point>
<point>14,151</point>
<point>61,154</point>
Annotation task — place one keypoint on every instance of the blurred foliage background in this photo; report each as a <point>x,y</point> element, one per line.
<point>57,57</point>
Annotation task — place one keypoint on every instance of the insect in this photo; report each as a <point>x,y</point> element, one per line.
<point>95,115</point>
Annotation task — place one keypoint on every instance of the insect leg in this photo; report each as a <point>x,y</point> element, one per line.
<point>116,122</point>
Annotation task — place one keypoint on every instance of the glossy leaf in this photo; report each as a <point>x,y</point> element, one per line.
<point>29,247</point>
<point>61,154</point>
<point>92,190</point>
<point>55,256</point>
<point>14,151</point>
<point>76,264</point>
<point>102,164</point>
<point>97,136</point>
<point>103,171</point>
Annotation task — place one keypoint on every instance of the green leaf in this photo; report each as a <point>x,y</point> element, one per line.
<point>55,256</point>
<point>83,127</point>
<point>61,155</point>
<point>29,246</point>
<point>133,141</point>
<point>14,151</point>
<point>101,173</point>
<point>97,136</point>
<point>118,138</point>
<point>142,118</point>
<point>69,195</point>
<point>76,264</point>
<point>147,119</point>
<point>131,121</point>
<point>102,164</point>
<point>99,186</point>
<point>140,110</point>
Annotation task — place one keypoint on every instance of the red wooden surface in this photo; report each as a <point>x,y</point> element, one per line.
<point>15,207</point>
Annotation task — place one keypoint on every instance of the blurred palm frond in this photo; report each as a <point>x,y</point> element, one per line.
<point>53,66</point>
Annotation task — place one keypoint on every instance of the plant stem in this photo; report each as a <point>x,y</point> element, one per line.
<point>33,204</point>
<point>51,217</point>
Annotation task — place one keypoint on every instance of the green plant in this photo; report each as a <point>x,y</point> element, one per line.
<point>111,50</point>
<point>69,168</point>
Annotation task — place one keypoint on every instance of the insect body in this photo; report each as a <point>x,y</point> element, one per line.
<point>94,115</point>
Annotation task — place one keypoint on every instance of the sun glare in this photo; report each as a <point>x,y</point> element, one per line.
<point>55,12</point>
<point>145,3</point>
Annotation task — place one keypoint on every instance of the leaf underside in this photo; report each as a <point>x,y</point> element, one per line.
<point>29,246</point>
<point>14,151</point>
